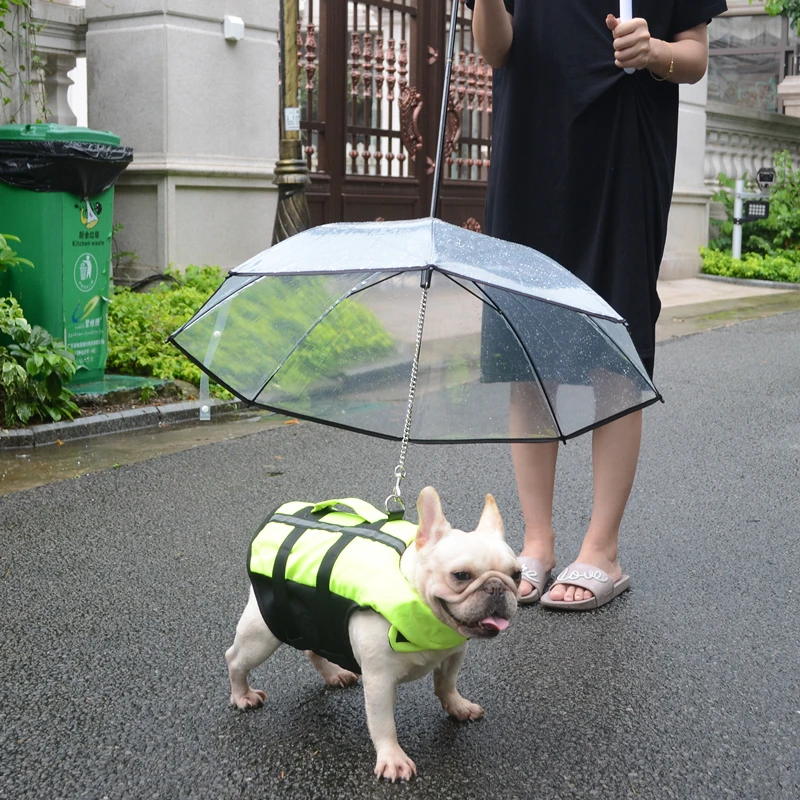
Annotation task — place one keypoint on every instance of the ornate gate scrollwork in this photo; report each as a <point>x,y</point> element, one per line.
<point>410,109</point>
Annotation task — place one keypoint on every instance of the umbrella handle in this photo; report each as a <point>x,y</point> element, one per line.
<point>626,15</point>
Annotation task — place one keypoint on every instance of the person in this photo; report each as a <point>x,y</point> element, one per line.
<point>582,169</point>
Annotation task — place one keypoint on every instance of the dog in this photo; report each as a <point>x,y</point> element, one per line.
<point>468,580</point>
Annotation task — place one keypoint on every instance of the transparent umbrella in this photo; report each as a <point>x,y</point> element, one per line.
<point>418,331</point>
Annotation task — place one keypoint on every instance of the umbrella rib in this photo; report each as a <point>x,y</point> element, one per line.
<point>625,356</point>
<point>513,330</point>
<point>198,316</point>
<point>393,437</point>
<point>300,341</point>
<point>519,293</point>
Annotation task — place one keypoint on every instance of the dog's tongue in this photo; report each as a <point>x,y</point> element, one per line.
<point>495,622</point>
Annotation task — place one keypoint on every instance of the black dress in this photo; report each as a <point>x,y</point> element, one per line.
<point>583,155</point>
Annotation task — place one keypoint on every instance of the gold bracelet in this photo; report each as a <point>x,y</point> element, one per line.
<point>671,65</point>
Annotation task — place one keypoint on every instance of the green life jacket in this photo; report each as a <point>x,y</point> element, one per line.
<point>312,566</point>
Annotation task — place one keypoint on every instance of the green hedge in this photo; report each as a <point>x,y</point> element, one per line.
<point>139,324</point>
<point>784,268</point>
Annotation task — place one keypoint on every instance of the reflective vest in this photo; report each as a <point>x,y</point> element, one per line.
<point>311,567</point>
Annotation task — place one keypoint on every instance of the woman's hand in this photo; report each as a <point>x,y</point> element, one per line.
<point>631,42</point>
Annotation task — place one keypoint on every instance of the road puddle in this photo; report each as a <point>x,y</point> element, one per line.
<point>25,468</point>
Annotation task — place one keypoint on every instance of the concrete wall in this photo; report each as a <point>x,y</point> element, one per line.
<point>202,116</point>
<point>688,220</point>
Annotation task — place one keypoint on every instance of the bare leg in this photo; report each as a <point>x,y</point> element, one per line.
<point>535,471</point>
<point>615,454</point>
<point>333,674</point>
<point>254,643</point>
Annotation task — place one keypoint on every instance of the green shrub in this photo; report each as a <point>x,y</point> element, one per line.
<point>781,230</point>
<point>139,323</point>
<point>784,268</point>
<point>34,368</point>
<point>787,8</point>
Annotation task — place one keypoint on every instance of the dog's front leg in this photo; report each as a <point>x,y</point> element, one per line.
<point>444,686</point>
<point>380,694</point>
<point>254,643</point>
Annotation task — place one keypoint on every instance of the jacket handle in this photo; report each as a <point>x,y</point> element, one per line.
<point>360,507</point>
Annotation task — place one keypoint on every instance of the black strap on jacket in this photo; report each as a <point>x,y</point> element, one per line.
<point>324,608</point>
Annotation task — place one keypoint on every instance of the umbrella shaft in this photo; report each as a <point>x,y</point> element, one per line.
<point>451,44</point>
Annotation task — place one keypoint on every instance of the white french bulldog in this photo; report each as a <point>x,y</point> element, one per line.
<point>470,580</point>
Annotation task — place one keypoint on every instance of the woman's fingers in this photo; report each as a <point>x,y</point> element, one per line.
<point>631,43</point>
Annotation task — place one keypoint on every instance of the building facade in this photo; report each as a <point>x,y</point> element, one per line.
<point>201,112</point>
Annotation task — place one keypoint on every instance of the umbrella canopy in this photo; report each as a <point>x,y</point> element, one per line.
<point>324,326</point>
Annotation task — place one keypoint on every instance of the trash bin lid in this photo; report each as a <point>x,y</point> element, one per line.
<point>49,132</point>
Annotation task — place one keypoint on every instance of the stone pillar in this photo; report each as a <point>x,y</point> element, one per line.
<point>789,92</point>
<point>688,220</point>
<point>201,114</point>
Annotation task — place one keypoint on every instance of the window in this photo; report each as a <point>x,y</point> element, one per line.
<point>748,57</point>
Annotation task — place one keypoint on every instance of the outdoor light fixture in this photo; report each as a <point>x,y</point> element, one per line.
<point>232,28</point>
<point>749,206</point>
<point>755,209</point>
<point>765,177</point>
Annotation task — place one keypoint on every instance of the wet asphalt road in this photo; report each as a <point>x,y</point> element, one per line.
<point>120,591</point>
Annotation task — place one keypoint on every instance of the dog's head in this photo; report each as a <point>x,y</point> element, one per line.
<point>471,579</point>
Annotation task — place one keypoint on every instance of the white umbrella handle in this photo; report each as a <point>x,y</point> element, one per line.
<point>626,14</point>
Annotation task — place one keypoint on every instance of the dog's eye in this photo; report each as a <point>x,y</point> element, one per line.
<point>462,576</point>
<point>516,576</point>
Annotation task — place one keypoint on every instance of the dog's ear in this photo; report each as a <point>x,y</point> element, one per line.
<point>432,523</point>
<point>491,521</point>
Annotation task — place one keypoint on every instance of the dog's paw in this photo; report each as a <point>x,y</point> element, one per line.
<point>254,698</point>
<point>462,709</point>
<point>341,679</point>
<point>394,765</point>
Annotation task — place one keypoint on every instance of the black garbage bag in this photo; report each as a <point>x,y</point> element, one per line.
<point>82,168</point>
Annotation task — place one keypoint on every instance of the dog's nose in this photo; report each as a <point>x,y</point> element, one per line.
<point>494,586</point>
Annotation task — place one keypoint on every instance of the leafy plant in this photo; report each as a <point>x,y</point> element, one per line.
<point>9,257</point>
<point>787,8</point>
<point>18,60</point>
<point>118,256</point>
<point>34,369</point>
<point>781,230</point>
<point>147,393</point>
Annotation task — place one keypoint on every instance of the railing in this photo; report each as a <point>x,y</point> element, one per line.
<point>382,103</point>
<point>59,40</point>
<point>740,141</point>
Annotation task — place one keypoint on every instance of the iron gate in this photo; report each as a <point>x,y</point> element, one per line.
<point>371,74</point>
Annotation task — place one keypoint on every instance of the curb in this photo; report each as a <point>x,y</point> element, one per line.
<point>113,422</point>
<point>795,287</point>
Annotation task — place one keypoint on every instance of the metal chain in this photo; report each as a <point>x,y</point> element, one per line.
<point>400,469</point>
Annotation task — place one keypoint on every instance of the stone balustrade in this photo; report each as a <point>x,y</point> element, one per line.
<point>60,41</point>
<point>740,141</point>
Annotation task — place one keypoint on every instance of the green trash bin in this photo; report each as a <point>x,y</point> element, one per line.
<point>57,196</point>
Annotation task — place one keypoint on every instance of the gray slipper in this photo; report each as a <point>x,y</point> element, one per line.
<point>534,573</point>
<point>587,577</point>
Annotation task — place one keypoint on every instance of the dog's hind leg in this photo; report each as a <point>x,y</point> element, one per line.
<point>333,674</point>
<point>254,644</point>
